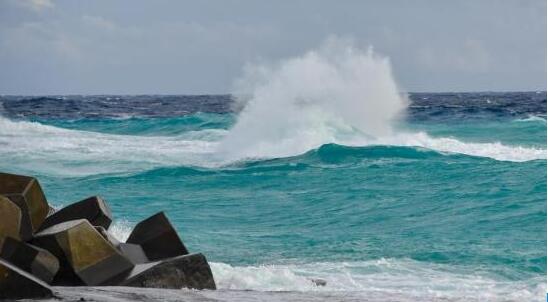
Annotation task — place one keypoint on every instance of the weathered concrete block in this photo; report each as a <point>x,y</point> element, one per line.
<point>187,271</point>
<point>133,252</point>
<point>85,256</point>
<point>158,238</point>
<point>94,209</point>
<point>107,235</point>
<point>10,220</point>
<point>26,193</point>
<point>32,259</point>
<point>15,283</point>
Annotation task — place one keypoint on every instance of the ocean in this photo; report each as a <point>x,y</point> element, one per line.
<point>447,202</point>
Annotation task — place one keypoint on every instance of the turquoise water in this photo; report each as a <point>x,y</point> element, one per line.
<point>460,213</point>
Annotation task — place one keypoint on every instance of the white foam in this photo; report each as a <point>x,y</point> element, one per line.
<point>36,147</point>
<point>337,94</point>
<point>532,118</point>
<point>121,229</point>
<point>494,150</point>
<point>303,102</point>
<point>388,276</point>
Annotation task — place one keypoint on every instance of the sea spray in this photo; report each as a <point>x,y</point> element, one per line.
<point>320,97</point>
<point>337,94</point>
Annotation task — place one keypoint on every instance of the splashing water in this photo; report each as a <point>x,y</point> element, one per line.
<point>337,94</point>
<point>318,98</point>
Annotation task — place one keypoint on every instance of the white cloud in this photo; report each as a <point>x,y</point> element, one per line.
<point>36,5</point>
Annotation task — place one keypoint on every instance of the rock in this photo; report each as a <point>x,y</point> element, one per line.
<point>187,271</point>
<point>319,282</point>
<point>10,220</point>
<point>27,194</point>
<point>94,209</point>
<point>15,283</point>
<point>158,238</point>
<point>34,260</point>
<point>85,256</point>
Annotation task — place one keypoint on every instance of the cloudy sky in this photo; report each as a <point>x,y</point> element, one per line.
<point>194,47</point>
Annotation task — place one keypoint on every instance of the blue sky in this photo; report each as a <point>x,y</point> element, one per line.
<point>194,47</point>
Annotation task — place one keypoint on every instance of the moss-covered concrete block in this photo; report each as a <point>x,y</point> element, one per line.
<point>10,220</point>
<point>85,256</point>
<point>26,193</point>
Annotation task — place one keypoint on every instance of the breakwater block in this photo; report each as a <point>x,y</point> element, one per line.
<point>31,259</point>
<point>158,238</point>
<point>73,247</point>
<point>133,252</point>
<point>27,194</point>
<point>15,283</point>
<point>10,220</point>
<point>82,251</point>
<point>187,271</point>
<point>94,209</point>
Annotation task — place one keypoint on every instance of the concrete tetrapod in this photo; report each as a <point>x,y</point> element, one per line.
<point>85,256</point>
<point>10,219</point>
<point>187,271</point>
<point>158,238</point>
<point>27,194</point>
<point>94,209</point>
<point>34,260</point>
<point>15,283</point>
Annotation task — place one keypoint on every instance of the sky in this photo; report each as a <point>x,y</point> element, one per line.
<point>201,47</point>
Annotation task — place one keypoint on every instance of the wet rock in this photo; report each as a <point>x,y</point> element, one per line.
<point>15,283</point>
<point>158,238</point>
<point>188,271</point>
<point>27,194</point>
<point>319,282</point>
<point>10,219</point>
<point>32,259</point>
<point>94,209</point>
<point>85,256</point>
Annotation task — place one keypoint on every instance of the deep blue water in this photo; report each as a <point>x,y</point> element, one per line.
<point>454,204</point>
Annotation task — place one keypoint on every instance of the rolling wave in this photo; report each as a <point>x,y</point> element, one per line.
<point>52,150</point>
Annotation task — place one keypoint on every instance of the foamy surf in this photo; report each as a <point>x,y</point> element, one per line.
<point>390,277</point>
<point>32,146</point>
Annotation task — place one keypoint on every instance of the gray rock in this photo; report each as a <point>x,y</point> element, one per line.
<point>319,282</point>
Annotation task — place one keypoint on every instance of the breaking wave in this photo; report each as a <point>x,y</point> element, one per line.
<point>414,279</point>
<point>32,146</point>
